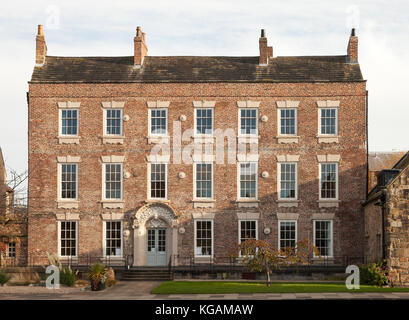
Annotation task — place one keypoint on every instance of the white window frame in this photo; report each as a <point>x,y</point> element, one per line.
<point>239,235</point>
<point>196,134</point>
<point>149,181</point>
<point>150,134</point>
<point>279,232</point>
<point>279,180</point>
<point>332,238</point>
<point>336,184</point>
<point>319,122</point>
<point>76,239</point>
<point>104,182</point>
<point>295,122</point>
<point>238,181</point>
<point>104,242</point>
<point>194,181</point>
<point>14,250</point>
<point>59,180</point>
<point>239,124</point>
<point>195,238</point>
<point>105,122</point>
<point>60,122</point>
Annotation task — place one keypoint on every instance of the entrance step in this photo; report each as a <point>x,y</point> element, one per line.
<point>146,274</point>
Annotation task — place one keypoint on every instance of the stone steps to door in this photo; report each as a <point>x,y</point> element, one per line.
<point>146,275</point>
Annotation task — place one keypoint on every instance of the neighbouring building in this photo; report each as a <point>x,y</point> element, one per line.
<point>293,165</point>
<point>13,224</point>
<point>387,221</point>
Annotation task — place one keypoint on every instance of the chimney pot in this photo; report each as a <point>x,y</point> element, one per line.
<point>140,48</point>
<point>263,34</point>
<point>353,32</point>
<point>352,50</point>
<point>40,30</point>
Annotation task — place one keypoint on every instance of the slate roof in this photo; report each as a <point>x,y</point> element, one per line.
<point>196,69</point>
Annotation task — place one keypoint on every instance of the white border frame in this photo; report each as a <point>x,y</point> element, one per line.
<point>105,133</point>
<point>238,180</point>
<point>150,134</point>
<point>336,122</point>
<point>59,182</point>
<point>194,181</point>
<point>60,134</point>
<point>252,135</point>
<point>336,184</point>
<point>279,232</point>
<point>279,122</point>
<point>198,135</point>
<point>104,239</point>
<point>103,182</point>
<point>279,181</point>
<point>239,229</point>
<point>149,180</point>
<point>59,238</point>
<point>332,238</point>
<point>195,243</point>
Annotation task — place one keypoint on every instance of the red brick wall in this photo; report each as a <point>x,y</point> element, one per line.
<point>44,148</point>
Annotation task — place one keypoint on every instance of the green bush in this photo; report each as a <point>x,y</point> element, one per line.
<point>67,277</point>
<point>375,274</point>
<point>4,277</point>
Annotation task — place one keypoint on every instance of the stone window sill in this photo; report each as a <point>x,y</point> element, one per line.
<point>287,203</point>
<point>68,139</point>
<point>207,203</point>
<point>67,204</point>
<point>287,139</point>
<point>328,139</point>
<point>113,139</point>
<point>328,203</point>
<point>106,204</point>
<point>247,203</point>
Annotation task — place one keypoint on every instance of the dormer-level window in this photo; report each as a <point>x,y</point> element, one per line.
<point>113,122</point>
<point>158,122</point>
<point>69,122</point>
<point>328,121</point>
<point>248,121</point>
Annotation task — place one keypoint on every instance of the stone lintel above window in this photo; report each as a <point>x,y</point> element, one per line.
<point>68,105</point>
<point>203,203</point>
<point>328,203</point>
<point>288,158</point>
<point>68,159</point>
<point>248,215</point>
<point>328,157</point>
<point>287,216</point>
<point>158,158</point>
<point>112,159</point>
<point>323,216</point>
<point>248,104</point>
<point>158,104</point>
<point>203,215</point>
<point>67,204</point>
<point>203,157</point>
<point>204,104</point>
<point>243,157</point>
<point>112,216</point>
<point>287,104</point>
<point>113,104</point>
<point>67,216</point>
<point>328,104</point>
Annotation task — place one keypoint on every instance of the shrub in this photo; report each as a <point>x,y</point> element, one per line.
<point>4,277</point>
<point>67,277</point>
<point>375,274</point>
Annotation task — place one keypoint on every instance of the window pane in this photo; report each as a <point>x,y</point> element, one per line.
<point>158,180</point>
<point>204,121</point>
<point>114,121</point>
<point>113,238</point>
<point>328,121</point>
<point>113,181</point>
<point>204,180</point>
<point>328,180</point>
<point>158,121</point>
<point>69,122</point>
<point>68,181</point>
<point>68,239</point>
<point>323,237</point>
<point>248,177</point>
<point>203,238</point>
<point>287,234</point>
<point>248,121</point>
<point>287,121</point>
<point>287,180</point>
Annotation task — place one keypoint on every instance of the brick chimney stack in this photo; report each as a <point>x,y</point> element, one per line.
<point>353,48</point>
<point>140,48</point>
<point>266,52</point>
<point>41,47</point>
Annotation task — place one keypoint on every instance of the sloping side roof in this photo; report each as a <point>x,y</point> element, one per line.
<point>196,69</point>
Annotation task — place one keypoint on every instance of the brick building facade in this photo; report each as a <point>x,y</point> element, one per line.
<point>98,187</point>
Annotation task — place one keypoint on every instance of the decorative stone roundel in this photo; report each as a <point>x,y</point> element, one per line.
<point>181,230</point>
<point>264,174</point>
<point>264,118</point>
<point>182,175</point>
<point>266,230</point>
<point>127,175</point>
<point>126,117</point>
<point>182,117</point>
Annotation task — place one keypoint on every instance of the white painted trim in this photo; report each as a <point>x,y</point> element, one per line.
<point>103,183</point>
<point>194,181</point>
<point>60,134</point>
<point>59,238</point>
<point>319,122</point>
<point>202,135</point>
<point>149,181</point>
<point>105,133</point>
<point>281,135</point>
<point>279,181</point>
<point>279,231</point>
<point>104,239</point>
<point>238,180</point>
<point>166,134</point>
<point>251,135</point>
<point>239,235</point>
<point>332,238</point>
<point>195,243</point>
<point>59,183</point>
<point>336,185</point>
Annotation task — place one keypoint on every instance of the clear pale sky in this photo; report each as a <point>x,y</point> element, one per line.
<point>211,27</point>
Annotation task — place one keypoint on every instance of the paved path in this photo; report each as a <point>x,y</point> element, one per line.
<point>141,291</point>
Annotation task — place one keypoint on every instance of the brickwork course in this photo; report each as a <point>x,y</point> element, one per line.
<point>141,79</point>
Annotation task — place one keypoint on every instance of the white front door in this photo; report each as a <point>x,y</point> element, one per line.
<point>156,254</point>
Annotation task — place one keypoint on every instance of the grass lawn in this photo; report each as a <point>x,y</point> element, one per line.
<point>209,287</point>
